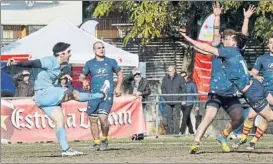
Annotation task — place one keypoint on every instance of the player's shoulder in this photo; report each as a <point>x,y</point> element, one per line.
<point>91,61</point>
<point>49,61</point>
<point>264,56</point>
<point>47,58</point>
<point>110,60</point>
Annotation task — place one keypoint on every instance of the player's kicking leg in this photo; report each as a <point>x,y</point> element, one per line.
<point>81,96</point>
<point>58,118</point>
<point>50,104</point>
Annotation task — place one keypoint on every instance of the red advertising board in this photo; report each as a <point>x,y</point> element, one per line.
<point>23,121</point>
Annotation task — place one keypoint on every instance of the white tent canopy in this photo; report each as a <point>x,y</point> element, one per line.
<point>40,43</point>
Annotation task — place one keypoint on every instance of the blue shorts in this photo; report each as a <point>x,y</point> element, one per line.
<point>256,96</point>
<point>100,106</point>
<point>49,99</point>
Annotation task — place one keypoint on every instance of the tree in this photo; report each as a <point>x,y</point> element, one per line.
<point>149,18</point>
<point>152,19</point>
<point>262,20</point>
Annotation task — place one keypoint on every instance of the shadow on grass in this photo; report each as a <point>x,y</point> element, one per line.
<point>234,152</point>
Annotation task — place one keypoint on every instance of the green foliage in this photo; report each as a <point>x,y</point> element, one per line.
<point>151,19</point>
<point>148,17</point>
<point>263,17</point>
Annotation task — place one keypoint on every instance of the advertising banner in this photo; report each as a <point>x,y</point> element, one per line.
<point>23,121</point>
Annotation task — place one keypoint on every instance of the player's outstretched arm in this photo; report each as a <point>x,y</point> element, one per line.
<point>202,46</point>
<point>202,52</point>
<point>30,64</point>
<point>217,10</point>
<point>247,15</point>
<point>195,48</point>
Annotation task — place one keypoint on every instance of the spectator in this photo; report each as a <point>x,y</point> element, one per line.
<point>139,87</point>
<point>66,68</point>
<point>188,105</point>
<point>23,85</point>
<point>162,109</point>
<point>64,83</point>
<point>173,84</point>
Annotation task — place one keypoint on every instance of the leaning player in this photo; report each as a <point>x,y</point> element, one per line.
<point>236,71</point>
<point>222,91</point>
<point>101,69</point>
<point>48,97</point>
<point>264,64</point>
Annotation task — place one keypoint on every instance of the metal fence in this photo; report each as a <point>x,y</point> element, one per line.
<point>156,102</point>
<point>219,123</point>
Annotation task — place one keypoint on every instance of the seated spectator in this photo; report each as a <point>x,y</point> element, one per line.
<point>23,86</point>
<point>64,83</point>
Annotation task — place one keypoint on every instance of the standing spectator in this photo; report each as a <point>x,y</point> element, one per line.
<point>173,84</point>
<point>139,87</point>
<point>188,105</point>
<point>162,109</point>
<point>23,85</point>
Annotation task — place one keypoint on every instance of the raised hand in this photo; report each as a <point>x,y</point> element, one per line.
<point>249,12</point>
<point>217,9</point>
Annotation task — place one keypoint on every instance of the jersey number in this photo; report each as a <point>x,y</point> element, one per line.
<point>244,66</point>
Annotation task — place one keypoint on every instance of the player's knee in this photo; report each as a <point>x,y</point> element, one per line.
<point>269,118</point>
<point>93,119</point>
<point>68,96</point>
<point>76,95</point>
<point>103,119</point>
<point>252,118</point>
<point>270,101</point>
<point>240,120</point>
<point>252,115</point>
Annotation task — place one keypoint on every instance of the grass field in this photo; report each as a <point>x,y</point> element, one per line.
<point>161,150</point>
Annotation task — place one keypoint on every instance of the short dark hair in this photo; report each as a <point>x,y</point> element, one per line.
<point>240,39</point>
<point>59,47</point>
<point>96,44</point>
